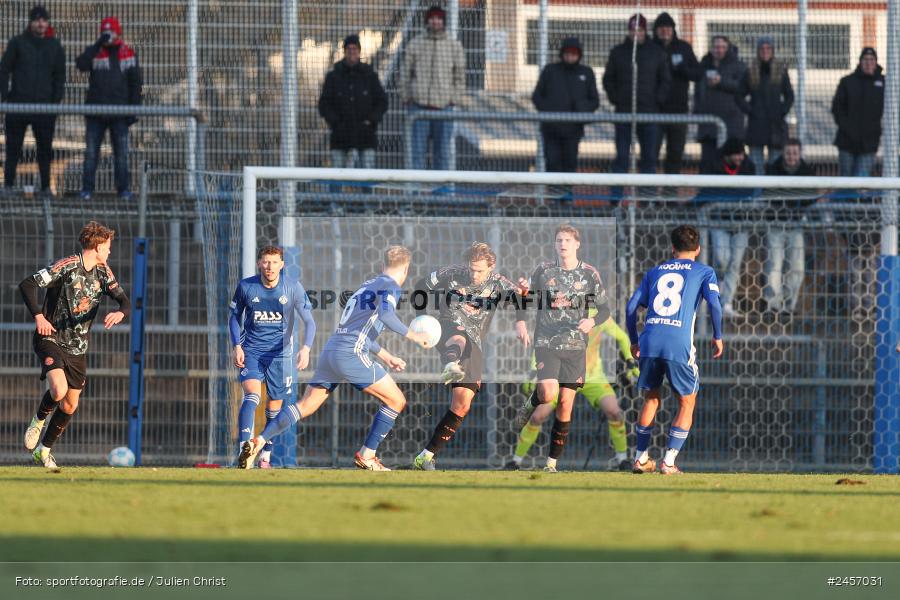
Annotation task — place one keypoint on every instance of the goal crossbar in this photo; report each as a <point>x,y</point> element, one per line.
<point>252,174</point>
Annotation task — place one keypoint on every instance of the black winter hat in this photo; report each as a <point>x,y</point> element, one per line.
<point>571,43</point>
<point>436,11</point>
<point>352,40</point>
<point>733,146</point>
<point>664,20</point>
<point>868,51</point>
<point>38,12</point>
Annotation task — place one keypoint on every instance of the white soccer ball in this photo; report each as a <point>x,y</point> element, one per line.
<point>121,457</point>
<point>429,325</point>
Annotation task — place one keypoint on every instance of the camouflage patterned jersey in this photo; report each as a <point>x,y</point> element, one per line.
<point>469,306</point>
<point>563,298</point>
<point>72,299</point>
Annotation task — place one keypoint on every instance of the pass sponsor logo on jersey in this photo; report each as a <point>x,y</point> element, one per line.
<point>267,316</point>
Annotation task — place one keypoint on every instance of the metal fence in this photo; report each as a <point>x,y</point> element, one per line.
<point>228,59</point>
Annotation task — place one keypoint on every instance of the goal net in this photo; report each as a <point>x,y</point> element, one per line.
<point>806,289</point>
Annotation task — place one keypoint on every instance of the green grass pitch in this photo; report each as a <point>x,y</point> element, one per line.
<point>148,514</point>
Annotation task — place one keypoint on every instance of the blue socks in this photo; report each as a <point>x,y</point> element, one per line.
<point>643,435</point>
<point>270,416</point>
<point>381,426</point>
<point>285,419</point>
<point>677,436</point>
<point>246,417</point>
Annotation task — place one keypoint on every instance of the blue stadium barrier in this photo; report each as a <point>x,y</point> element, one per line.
<point>136,369</point>
<point>886,446</point>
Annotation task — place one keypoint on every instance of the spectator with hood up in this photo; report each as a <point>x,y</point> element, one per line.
<point>565,86</point>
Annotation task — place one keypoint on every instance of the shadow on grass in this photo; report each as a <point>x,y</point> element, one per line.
<point>100,549</point>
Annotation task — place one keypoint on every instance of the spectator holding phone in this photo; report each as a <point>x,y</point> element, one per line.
<point>115,80</point>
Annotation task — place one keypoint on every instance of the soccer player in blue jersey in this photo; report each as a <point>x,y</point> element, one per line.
<point>346,358</point>
<point>261,326</point>
<point>671,293</point>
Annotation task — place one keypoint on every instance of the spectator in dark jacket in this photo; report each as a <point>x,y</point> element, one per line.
<point>771,96</point>
<point>785,264</point>
<point>728,239</point>
<point>715,95</point>
<point>115,79</point>
<point>653,83</point>
<point>857,108</point>
<point>352,103</point>
<point>37,65</point>
<point>565,86</point>
<point>684,68</point>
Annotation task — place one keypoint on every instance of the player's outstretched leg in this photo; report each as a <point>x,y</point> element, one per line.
<point>461,402</point>
<point>33,432</point>
<point>313,398</point>
<point>644,430</point>
<point>451,353</point>
<point>678,433</point>
<point>393,402</point>
<point>529,434</point>
<point>523,414</point>
<point>273,408</point>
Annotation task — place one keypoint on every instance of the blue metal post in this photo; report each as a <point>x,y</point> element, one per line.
<point>886,457</point>
<point>284,452</point>
<point>136,370</point>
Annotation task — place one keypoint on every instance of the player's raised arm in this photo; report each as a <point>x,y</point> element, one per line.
<point>710,292</point>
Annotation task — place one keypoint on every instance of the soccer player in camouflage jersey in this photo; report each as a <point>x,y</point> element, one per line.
<point>596,390</point>
<point>469,295</point>
<point>74,287</point>
<point>566,291</point>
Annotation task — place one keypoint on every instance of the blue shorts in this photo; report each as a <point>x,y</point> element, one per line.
<point>337,366</point>
<point>683,378</point>
<point>277,370</point>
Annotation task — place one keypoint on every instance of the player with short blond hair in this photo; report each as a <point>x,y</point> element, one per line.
<point>74,286</point>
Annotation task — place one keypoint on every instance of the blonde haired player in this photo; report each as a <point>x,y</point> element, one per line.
<point>470,295</point>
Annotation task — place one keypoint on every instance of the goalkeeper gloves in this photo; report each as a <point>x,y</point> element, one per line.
<point>632,371</point>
